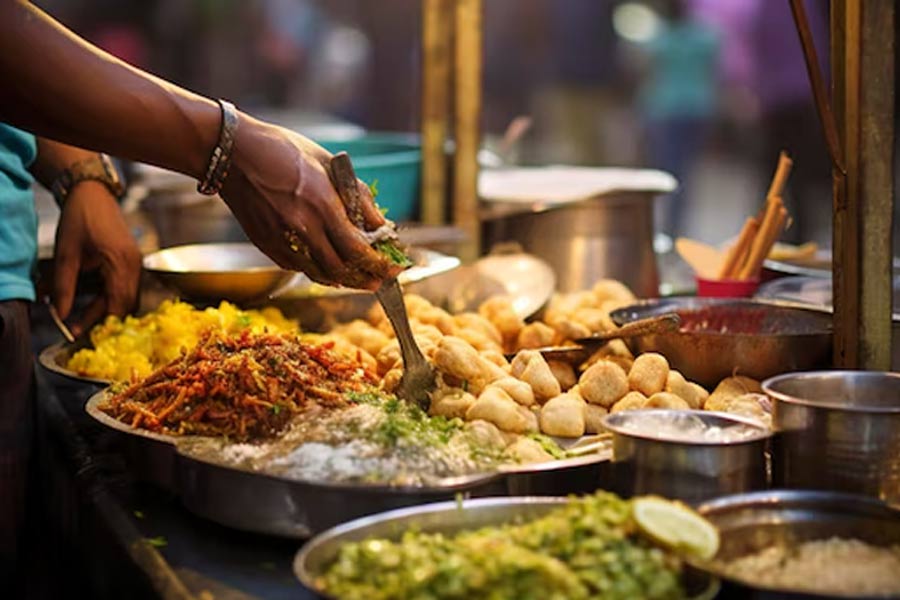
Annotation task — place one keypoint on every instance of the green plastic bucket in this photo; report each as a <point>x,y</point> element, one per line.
<point>391,159</point>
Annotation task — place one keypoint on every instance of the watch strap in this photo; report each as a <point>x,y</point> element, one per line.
<point>97,168</point>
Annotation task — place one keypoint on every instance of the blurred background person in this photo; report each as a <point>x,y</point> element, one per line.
<point>678,101</point>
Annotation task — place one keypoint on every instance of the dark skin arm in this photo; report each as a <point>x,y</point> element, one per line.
<point>68,90</point>
<point>92,234</point>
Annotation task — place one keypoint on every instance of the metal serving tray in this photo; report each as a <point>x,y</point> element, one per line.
<point>262,503</point>
<point>273,505</point>
<point>54,359</point>
<point>150,456</point>
<point>447,518</point>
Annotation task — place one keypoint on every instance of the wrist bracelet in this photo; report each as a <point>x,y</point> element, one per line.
<point>97,168</point>
<point>220,159</point>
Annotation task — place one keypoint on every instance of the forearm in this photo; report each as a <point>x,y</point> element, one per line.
<point>53,157</point>
<point>61,87</point>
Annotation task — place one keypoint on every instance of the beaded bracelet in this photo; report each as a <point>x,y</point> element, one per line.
<point>220,159</point>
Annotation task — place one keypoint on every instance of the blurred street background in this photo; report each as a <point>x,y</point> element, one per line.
<point>709,90</point>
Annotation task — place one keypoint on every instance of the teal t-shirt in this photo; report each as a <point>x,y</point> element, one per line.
<point>18,218</point>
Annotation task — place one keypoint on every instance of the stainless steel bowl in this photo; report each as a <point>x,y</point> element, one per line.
<point>443,517</point>
<point>774,338</point>
<point>749,523</point>
<point>690,471</point>
<point>238,272</point>
<point>837,430</point>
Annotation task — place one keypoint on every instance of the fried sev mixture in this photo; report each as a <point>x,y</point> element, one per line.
<point>245,387</point>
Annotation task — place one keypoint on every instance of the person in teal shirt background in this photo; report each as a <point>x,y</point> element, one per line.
<point>91,227</point>
<point>18,219</point>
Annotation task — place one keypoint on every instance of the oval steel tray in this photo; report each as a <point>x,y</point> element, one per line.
<point>448,518</point>
<point>275,505</point>
<point>54,358</point>
<point>262,503</point>
<point>150,455</point>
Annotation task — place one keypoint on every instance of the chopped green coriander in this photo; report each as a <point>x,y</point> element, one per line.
<point>158,541</point>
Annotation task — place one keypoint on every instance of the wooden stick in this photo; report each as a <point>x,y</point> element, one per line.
<point>782,172</point>
<point>776,215</point>
<point>739,249</point>
<point>437,30</point>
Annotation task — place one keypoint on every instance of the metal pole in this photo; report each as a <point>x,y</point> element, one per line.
<point>437,33</point>
<point>862,59</point>
<point>467,131</point>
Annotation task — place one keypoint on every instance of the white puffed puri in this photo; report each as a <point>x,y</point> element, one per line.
<point>593,418</point>
<point>563,416</point>
<point>517,389</point>
<point>452,403</point>
<point>604,383</point>
<point>649,373</point>
<point>530,367</point>
<point>495,406</point>
<point>631,401</point>
<point>527,450</point>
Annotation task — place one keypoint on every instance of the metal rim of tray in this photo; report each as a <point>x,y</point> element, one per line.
<point>93,409</point>
<point>455,509</point>
<point>651,307</point>
<point>49,359</point>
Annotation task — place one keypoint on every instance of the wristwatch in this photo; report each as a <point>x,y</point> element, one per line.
<point>98,168</point>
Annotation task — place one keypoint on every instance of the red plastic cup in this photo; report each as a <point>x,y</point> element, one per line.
<point>726,288</point>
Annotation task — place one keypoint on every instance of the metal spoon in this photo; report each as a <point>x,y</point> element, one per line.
<point>418,375</point>
<point>586,346</point>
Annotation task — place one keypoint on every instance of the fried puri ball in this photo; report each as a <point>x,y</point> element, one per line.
<point>495,406</point>
<point>344,347</point>
<point>486,434</point>
<point>495,357</point>
<point>361,334</point>
<point>564,373</point>
<point>499,311</point>
<point>729,388</point>
<point>478,340</point>
<point>563,416</point>
<point>605,383</point>
<point>455,357</point>
<point>391,379</point>
<point>606,290</point>
<point>390,357</point>
<point>594,319</point>
<point>526,450</point>
<point>535,335</point>
<point>530,367</point>
<point>692,393</point>
<point>752,406</point>
<point>593,418</point>
<point>517,389</point>
<point>452,403</point>
<point>569,329</point>
<point>666,400</point>
<point>438,317</point>
<point>531,417</point>
<point>631,401</point>
<point>649,373</point>
<point>476,322</point>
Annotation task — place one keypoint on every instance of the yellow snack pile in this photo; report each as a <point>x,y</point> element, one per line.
<point>133,347</point>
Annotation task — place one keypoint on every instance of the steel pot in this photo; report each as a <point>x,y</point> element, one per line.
<point>837,430</point>
<point>691,471</point>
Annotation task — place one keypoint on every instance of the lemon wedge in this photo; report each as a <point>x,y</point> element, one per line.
<point>676,526</point>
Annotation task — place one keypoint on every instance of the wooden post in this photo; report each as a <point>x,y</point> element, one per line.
<point>467,130</point>
<point>862,67</point>
<point>437,33</point>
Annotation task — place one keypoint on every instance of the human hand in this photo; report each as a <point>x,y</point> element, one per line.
<point>92,234</point>
<point>279,189</point>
